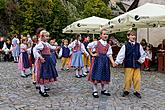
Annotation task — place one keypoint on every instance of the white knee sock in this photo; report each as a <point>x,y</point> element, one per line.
<point>14,58</point>
<point>102,87</point>
<point>23,73</point>
<point>94,87</point>
<point>105,87</point>
<point>42,88</point>
<point>77,72</point>
<point>80,71</point>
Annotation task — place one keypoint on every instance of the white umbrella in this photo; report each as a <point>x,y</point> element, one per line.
<point>91,25</point>
<point>147,16</point>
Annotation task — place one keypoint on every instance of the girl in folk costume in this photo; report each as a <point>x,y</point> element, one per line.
<point>15,51</point>
<point>45,69</point>
<point>65,54</point>
<point>76,60</point>
<point>7,48</point>
<point>23,62</point>
<point>148,58</point>
<point>100,72</point>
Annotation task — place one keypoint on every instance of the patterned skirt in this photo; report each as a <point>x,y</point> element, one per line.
<point>77,61</point>
<point>100,72</point>
<point>45,72</point>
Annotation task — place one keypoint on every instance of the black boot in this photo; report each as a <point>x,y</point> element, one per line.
<point>125,93</point>
<point>137,94</point>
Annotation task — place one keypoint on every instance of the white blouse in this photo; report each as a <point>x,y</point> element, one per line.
<point>40,47</point>
<point>73,44</point>
<point>93,45</point>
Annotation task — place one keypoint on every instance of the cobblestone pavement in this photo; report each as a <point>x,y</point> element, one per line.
<point>70,93</point>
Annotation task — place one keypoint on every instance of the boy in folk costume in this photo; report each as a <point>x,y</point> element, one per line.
<point>76,60</point>
<point>32,59</point>
<point>23,62</point>
<point>65,54</point>
<point>86,59</point>
<point>53,52</point>
<point>100,72</point>
<point>133,55</point>
<point>45,69</point>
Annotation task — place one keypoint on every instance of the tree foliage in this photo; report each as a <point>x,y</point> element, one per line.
<point>25,16</point>
<point>97,8</point>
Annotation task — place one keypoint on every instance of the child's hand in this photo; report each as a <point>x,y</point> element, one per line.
<point>94,55</point>
<point>42,59</point>
<point>114,65</point>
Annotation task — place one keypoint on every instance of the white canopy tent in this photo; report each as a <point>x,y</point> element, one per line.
<point>143,16</point>
<point>146,16</point>
<point>91,25</point>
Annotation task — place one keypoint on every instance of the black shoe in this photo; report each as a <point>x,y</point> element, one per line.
<point>15,61</point>
<point>125,93</point>
<point>78,76</point>
<point>95,94</point>
<point>23,75</point>
<point>44,94</point>
<point>47,89</point>
<point>105,93</point>
<point>37,87</point>
<point>82,75</point>
<point>137,94</point>
<point>34,83</point>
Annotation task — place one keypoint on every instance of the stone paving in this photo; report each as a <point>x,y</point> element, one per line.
<point>70,93</point>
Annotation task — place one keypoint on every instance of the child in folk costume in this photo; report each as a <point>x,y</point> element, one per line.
<point>7,48</point>
<point>65,54</point>
<point>32,59</point>
<point>133,55</point>
<point>45,69</point>
<point>76,60</point>
<point>86,59</point>
<point>148,58</point>
<point>53,52</point>
<point>15,50</point>
<point>23,62</point>
<point>100,72</point>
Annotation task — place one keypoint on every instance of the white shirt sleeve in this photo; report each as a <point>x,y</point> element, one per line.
<point>51,47</point>
<point>71,45</point>
<point>60,53</point>
<point>92,45</point>
<point>142,54</point>
<point>120,56</point>
<point>150,56</point>
<point>4,46</point>
<point>83,49</point>
<point>109,52</point>
<point>70,52</point>
<point>29,50</point>
<point>17,41</point>
<point>36,50</point>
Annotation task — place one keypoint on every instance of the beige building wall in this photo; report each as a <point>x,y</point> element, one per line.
<point>156,35</point>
